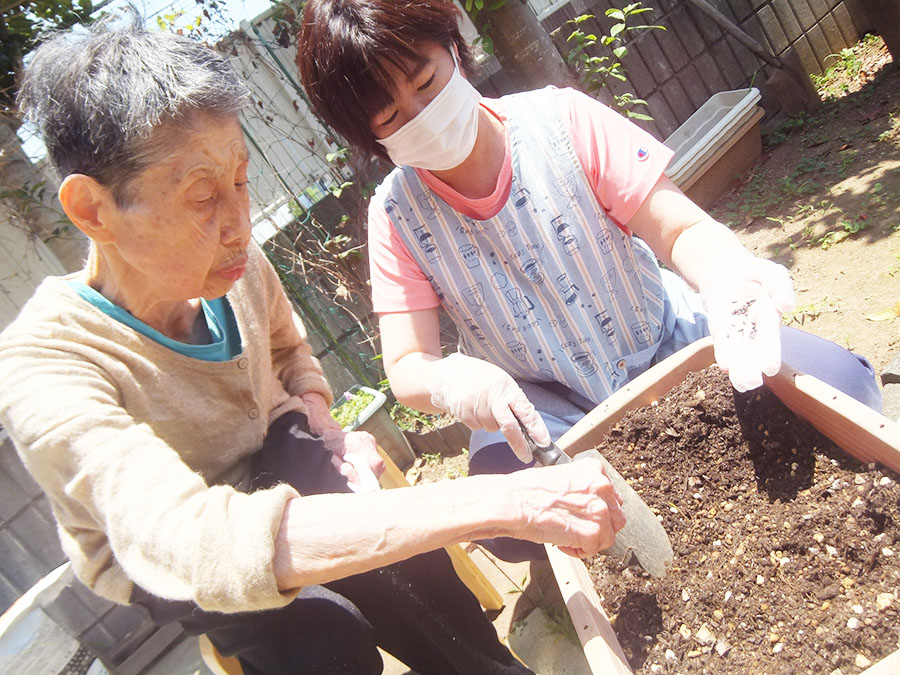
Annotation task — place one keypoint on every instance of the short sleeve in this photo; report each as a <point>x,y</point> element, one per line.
<point>398,283</point>
<point>621,161</point>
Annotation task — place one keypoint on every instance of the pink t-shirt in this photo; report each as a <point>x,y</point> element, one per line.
<point>621,161</point>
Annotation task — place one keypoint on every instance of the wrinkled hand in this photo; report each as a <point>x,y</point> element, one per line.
<point>355,456</point>
<point>484,396</point>
<point>744,301</point>
<point>574,506</point>
<point>353,453</point>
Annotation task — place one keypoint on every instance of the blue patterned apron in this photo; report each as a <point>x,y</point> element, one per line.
<point>549,289</point>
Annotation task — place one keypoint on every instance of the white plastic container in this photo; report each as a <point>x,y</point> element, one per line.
<point>714,126</point>
<point>376,419</point>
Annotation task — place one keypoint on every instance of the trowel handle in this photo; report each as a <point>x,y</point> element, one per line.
<point>547,455</point>
<point>550,455</point>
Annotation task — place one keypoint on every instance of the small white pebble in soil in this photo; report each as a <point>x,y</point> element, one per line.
<point>728,595</point>
<point>784,561</point>
<point>878,538</point>
<point>885,481</point>
<point>728,506</point>
<point>853,623</point>
<point>656,668</point>
<point>857,609</point>
<point>693,481</point>
<point>718,614</point>
<point>685,632</point>
<point>883,601</point>
<point>685,594</point>
<point>861,661</point>
<point>858,503</point>
<point>705,636</point>
<point>819,537</point>
<point>670,655</point>
<point>815,550</point>
<point>673,509</point>
<point>717,543</point>
<point>859,480</point>
<point>760,580</point>
<point>836,671</point>
<point>887,552</point>
<point>778,648</point>
<point>722,647</point>
<point>832,551</point>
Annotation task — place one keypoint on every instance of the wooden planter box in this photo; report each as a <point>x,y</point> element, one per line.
<point>855,428</point>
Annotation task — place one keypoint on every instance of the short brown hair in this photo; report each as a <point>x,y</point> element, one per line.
<point>345,49</point>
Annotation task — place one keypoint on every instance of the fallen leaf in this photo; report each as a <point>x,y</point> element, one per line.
<point>885,314</point>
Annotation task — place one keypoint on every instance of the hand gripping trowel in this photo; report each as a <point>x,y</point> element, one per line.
<point>642,541</point>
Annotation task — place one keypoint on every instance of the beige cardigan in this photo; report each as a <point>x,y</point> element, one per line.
<point>137,446</point>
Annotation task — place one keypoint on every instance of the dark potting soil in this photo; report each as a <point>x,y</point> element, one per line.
<point>786,548</point>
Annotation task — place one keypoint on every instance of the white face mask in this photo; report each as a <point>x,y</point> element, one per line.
<point>443,134</point>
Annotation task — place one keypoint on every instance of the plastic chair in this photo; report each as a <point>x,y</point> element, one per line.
<point>24,626</point>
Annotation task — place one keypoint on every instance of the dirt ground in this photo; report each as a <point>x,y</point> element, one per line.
<point>784,559</point>
<point>824,201</point>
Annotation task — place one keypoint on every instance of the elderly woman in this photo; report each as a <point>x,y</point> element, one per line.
<point>166,399</point>
<point>535,222</point>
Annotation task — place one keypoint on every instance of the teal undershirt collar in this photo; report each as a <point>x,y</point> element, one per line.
<point>226,338</point>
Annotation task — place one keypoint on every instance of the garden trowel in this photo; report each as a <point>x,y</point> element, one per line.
<point>642,541</point>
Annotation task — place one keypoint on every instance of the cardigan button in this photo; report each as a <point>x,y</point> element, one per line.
<point>253,413</point>
<point>243,362</point>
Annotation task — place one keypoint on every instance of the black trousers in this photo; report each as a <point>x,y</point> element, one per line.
<point>418,609</point>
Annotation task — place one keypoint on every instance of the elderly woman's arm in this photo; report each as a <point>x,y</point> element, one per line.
<point>573,506</point>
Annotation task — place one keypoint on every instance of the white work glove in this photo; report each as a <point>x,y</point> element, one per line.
<point>744,301</point>
<point>484,396</point>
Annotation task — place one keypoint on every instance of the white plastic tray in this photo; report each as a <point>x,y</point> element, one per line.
<point>713,124</point>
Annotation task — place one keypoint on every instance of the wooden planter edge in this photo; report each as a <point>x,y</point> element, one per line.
<point>854,427</point>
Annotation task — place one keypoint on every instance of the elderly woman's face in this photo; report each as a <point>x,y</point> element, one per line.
<point>187,228</point>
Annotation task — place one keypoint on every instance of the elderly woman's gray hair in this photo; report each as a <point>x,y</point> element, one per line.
<point>97,95</point>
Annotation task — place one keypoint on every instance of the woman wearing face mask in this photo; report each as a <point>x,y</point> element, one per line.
<point>535,221</point>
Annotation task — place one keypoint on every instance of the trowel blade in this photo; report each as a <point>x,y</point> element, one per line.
<point>643,540</point>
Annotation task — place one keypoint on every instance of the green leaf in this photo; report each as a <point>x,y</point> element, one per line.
<point>487,44</point>
<point>616,29</point>
<point>614,13</point>
<point>619,52</point>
